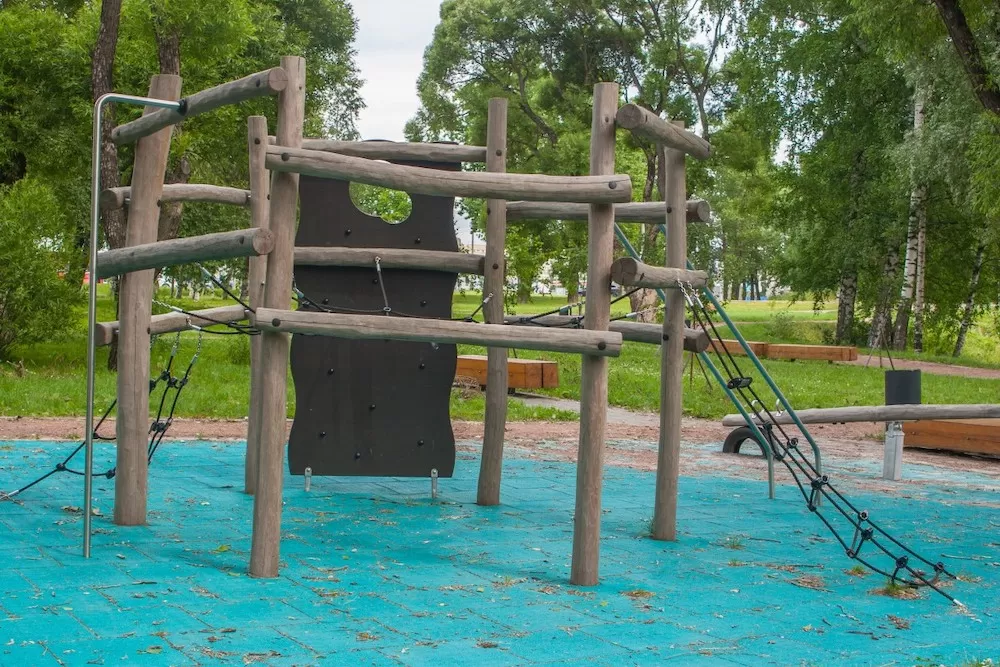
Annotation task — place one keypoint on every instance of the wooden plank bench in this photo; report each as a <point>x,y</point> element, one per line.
<point>810,352</point>
<point>976,436</point>
<point>734,347</point>
<point>521,373</point>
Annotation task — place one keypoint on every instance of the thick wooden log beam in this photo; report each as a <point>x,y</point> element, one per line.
<point>115,198</point>
<point>380,327</point>
<point>391,258</point>
<point>585,564</point>
<point>135,306</point>
<point>672,353</point>
<point>256,273</point>
<point>495,418</point>
<point>268,82</point>
<point>695,340</point>
<point>629,272</point>
<point>645,124</point>
<point>222,245</point>
<point>265,543</point>
<point>423,181</point>
<point>653,212</point>
<point>882,413</point>
<point>399,150</point>
<point>171,322</point>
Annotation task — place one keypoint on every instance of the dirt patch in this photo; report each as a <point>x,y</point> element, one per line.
<point>628,446</point>
<point>932,367</point>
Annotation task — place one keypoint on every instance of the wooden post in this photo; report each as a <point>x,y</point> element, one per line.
<point>491,464</point>
<point>266,540</point>
<point>257,147</point>
<point>594,371</point>
<point>672,354</point>
<point>135,304</point>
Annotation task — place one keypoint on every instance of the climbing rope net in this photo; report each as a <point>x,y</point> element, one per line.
<point>886,555</point>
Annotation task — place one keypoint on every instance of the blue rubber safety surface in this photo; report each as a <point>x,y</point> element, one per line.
<point>375,572</point>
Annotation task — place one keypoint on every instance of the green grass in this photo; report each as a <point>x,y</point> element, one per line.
<point>48,378</point>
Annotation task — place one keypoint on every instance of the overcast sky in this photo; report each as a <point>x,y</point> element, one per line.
<point>392,36</point>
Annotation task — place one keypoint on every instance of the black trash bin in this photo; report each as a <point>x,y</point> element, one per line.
<point>902,387</point>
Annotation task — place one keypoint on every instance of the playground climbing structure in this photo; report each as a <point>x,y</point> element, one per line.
<point>359,285</point>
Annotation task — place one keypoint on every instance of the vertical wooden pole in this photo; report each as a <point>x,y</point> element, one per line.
<point>594,372</point>
<point>257,145</point>
<point>135,305</point>
<point>491,465</point>
<point>266,540</point>
<point>671,353</point>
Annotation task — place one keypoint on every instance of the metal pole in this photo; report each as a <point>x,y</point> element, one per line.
<point>95,216</point>
<point>764,442</point>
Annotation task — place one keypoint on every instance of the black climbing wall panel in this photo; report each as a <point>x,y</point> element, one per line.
<point>377,407</point>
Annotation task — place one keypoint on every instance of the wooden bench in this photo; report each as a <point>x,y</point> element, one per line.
<point>793,352</point>
<point>521,373</point>
<point>807,352</point>
<point>734,347</point>
<point>976,436</point>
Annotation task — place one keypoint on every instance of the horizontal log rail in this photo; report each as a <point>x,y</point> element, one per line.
<point>653,212</point>
<point>695,340</point>
<point>882,413</point>
<point>268,82</point>
<point>426,181</point>
<point>115,198</point>
<point>391,258</point>
<point>171,322</point>
<point>379,327</point>
<point>629,272</point>
<point>398,150</point>
<point>645,124</point>
<point>223,245</point>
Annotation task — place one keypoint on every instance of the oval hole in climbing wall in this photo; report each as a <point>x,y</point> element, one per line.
<point>392,206</point>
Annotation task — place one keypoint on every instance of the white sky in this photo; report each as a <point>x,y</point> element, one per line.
<point>392,36</point>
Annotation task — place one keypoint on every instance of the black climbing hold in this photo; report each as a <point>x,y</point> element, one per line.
<point>417,240</point>
<point>495,265</point>
<point>357,455</point>
<point>371,407</point>
<point>285,157</point>
<point>347,232</point>
<point>374,281</point>
<point>276,322</point>
<point>602,345</point>
<point>326,301</point>
<point>613,185</point>
<point>322,434</point>
<point>329,371</point>
<point>423,304</point>
<point>256,141</point>
<point>420,443</point>
<point>422,366</point>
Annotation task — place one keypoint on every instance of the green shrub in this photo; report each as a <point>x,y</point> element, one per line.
<point>781,326</point>
<point>36,294</point>
<point>238,350</point>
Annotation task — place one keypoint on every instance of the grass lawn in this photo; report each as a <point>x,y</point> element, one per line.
<point>48,379</point>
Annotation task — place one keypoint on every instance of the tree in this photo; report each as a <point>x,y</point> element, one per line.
<point>35,296</point>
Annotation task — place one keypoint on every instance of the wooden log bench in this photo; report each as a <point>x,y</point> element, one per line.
<point>829,353</point>
<point>521,373</point>
<point>970,436</point>
<point>734,347</point>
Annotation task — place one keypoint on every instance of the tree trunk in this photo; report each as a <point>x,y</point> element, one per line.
<point>102,67</point>
<point>642,301</point>
<point>962,38</point>
<point>969,309</point>
<point>918,296</point>
<point>918,211</point>
<point>881,328</point>
<point>847,295</point>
